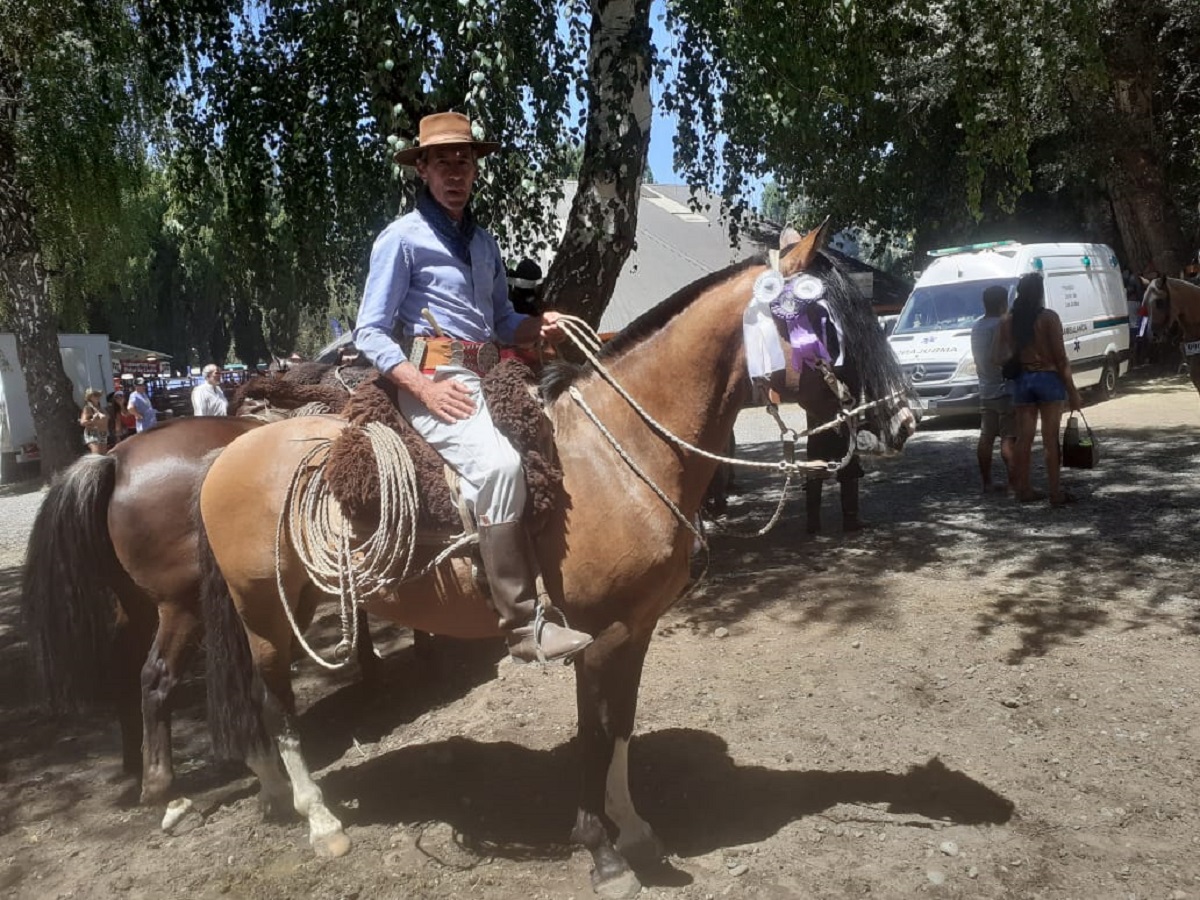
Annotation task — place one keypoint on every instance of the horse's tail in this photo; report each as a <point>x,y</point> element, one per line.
<point>234,715</point>
<point>66,598</point>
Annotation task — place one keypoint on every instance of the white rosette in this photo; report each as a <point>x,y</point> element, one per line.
<point>764,351</point>
<point>807,287</point>
<point>767,287</point>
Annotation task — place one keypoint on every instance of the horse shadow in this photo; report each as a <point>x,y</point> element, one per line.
<point>503,799</point>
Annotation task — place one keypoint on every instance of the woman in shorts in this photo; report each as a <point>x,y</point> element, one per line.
<point>94,422</point>
<point>1034,335</point>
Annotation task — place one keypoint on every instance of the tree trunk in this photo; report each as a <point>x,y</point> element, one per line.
<point>24,280</point>
<point>1142,203</point>
<point>602,225</point>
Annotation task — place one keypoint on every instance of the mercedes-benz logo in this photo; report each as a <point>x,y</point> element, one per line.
<point>918,373</point>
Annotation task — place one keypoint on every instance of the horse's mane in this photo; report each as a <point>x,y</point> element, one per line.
<point>865,343</point>
<point>559,376</point>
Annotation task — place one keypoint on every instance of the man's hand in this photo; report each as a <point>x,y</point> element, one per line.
<point>551,331</point>
<point>1074,398</point>
<point>449,399</point>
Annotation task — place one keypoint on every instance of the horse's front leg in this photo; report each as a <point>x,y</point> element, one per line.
<point>607,676</point>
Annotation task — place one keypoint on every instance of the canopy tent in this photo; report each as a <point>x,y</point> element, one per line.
<point>122,352</point>
<point>130,360</point>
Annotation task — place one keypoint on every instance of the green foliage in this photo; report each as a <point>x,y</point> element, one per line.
<point>926,116</point>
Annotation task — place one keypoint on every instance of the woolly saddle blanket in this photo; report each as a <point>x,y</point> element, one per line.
<point>360,395</point>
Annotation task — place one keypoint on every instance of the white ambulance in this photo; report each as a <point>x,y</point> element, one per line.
<point>932,338</point>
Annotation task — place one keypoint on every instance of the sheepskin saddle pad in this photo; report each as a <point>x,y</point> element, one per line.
<point>509,390</point>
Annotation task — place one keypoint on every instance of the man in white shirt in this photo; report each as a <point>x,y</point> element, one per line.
<point>207,397</point>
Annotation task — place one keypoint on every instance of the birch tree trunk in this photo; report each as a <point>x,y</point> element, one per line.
<point>23,279</point>
<point>602,224</point>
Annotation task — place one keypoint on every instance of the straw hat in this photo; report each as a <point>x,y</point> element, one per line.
<point>444,130</point>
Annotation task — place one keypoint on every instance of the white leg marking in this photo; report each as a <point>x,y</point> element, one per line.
<point>632,829</point>
<point>306,796</point>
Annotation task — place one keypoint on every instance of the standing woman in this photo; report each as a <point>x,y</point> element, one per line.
<point>117,428</point>
<point>1034,335</point>
<point>94,422</point>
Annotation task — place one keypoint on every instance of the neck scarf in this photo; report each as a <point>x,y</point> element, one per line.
<point>456,235</point>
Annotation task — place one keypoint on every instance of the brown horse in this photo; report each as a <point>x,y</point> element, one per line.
<point>124,525</point>
<point>615,555</point>
<point>1183,303</point>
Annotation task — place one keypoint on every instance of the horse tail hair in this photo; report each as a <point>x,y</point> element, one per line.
<point>67,603</point>
<point>234,714</point>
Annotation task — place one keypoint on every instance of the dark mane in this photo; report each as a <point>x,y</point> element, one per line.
<point>559,376</point>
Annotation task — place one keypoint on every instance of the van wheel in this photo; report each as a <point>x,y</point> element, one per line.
<point>1108,378</point>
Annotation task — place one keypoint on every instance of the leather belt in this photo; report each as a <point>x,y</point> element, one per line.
<point>427,353</point>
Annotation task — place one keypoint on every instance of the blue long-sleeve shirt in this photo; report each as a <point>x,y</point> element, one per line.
<point>412,269</point>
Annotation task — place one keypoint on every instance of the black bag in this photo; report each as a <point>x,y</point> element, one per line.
<point>1079,449</point>
<point>1012,368</point>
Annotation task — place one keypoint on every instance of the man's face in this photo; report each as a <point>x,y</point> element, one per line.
<point>213,377</point>
<point>450,174</point>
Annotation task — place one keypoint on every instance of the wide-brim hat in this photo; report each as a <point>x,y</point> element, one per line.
<point>444,130</point>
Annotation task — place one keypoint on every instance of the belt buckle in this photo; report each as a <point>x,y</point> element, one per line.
<point>488,357</point>
<point>457,351</point>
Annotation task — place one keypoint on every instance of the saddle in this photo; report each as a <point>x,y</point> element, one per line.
<point>361,396</point>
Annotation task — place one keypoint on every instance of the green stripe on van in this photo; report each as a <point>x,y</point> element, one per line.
<point>1109,323</point>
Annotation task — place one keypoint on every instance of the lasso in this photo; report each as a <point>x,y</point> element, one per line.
<point>321,536</point>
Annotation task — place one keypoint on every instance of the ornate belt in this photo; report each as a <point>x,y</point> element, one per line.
<point>427,353</point>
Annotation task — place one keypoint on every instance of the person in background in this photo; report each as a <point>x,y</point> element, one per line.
<point>94,422</point>
<point>1035,335</point>
<point>118,427</point>
<point>996,418</point>
<point>207,397</point>
<point>523,284</point>
<point>143,411</point>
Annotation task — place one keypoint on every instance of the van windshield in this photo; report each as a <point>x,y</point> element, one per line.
<point>937,307</point>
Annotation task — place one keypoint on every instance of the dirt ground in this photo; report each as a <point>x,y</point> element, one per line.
<point>973,699</point>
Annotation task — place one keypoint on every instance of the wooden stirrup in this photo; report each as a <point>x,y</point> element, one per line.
<point>801,254</point>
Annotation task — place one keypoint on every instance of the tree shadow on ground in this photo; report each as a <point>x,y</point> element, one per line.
<point>507,800</point>
<point>1068,570</point>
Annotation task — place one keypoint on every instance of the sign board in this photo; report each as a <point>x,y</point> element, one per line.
<point>139,367</point>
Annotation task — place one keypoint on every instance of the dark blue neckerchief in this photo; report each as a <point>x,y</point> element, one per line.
<point>456,235</point>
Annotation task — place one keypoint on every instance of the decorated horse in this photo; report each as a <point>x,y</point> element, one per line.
<point>638,431</point>
<point>123,527</point>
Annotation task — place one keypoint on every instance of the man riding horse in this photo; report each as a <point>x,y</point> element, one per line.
<point>437,276</point>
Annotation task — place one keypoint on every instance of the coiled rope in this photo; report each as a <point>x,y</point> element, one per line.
<point>312,522</point>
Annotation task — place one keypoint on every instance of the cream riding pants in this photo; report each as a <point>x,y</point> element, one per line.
<point>490,468</point>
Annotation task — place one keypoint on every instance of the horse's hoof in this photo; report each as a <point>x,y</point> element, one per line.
<point>154,793</point>
<point>331,846</point>
<point>645,850</point>
<point>620,887</point>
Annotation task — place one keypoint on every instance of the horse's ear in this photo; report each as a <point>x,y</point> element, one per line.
<point>788,236</point>
<point>802,253</point>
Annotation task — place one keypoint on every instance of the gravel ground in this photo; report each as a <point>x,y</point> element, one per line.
<point>973,699</point>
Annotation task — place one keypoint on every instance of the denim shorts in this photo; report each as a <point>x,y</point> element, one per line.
<point>1038,387</point>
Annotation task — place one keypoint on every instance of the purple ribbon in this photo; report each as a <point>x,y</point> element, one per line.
<point>807,347</point>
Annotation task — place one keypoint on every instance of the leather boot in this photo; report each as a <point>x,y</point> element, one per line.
<point>511,575</point>
<point>849,497</point>
<point>812,506</point>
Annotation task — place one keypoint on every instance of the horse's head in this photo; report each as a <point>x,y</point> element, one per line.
<point>828,325</point>
<point>1183,300</point>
